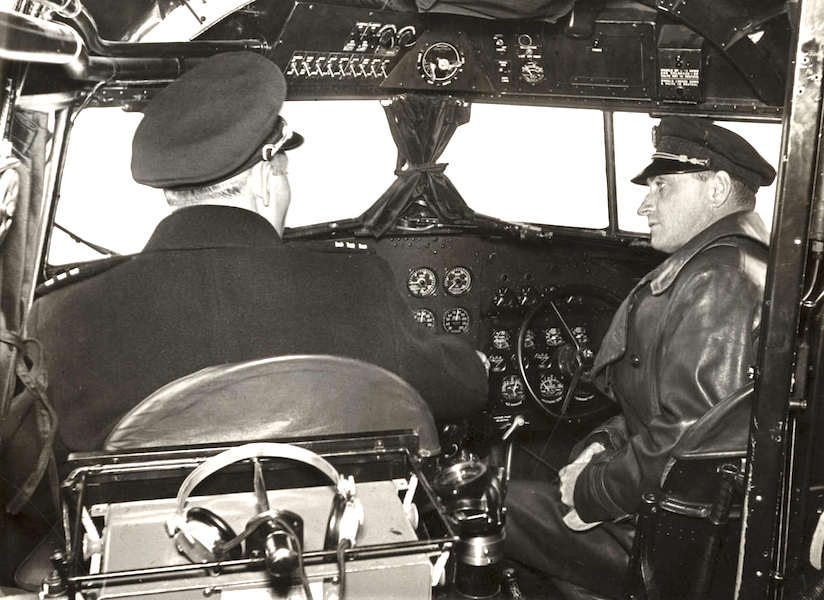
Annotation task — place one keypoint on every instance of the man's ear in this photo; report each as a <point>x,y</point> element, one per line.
<point>259,181</point>
<point>721,188</point>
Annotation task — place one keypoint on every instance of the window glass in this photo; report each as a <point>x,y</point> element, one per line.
<point>633,150</point>
<point>99,200</point>
<point>531,164</point>
<point>347,162</point>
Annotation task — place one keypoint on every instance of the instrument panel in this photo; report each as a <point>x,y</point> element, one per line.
<point>483,289</point>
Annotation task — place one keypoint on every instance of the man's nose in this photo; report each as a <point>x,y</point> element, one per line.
<point>646,205</point>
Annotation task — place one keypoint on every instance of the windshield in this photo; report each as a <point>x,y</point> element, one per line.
<point>516,163</point>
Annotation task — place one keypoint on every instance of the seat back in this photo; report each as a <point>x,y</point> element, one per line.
<point>685,545</point>
<point>286,396</point>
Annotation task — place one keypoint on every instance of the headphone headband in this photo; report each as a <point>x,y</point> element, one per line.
<point>344,487</point>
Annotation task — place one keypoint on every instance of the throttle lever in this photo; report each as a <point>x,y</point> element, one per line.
<point>508,437</point>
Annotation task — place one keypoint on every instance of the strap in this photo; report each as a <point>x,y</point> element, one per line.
<point>33,396</point>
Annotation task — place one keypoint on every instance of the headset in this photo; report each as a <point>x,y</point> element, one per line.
<point>201,535</point>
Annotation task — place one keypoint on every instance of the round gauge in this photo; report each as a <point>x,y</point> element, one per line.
<point>551,388</point>
<point>457,281</point>
<point>456,320</point>
<point>532,72</point>
<point>553,337</point>
<point>497,363</point>
<point>512,390</point>
<point>440,63</point>
<point>424,317</point>
<point>580,335</point>
<point>529,339</point>
<point>421,282</point>
<point>500,339</point>
<point>543,360</point>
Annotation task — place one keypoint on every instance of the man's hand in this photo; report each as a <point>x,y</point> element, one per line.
<point>569,474</point>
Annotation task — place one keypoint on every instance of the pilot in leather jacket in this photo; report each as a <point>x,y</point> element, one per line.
<point>680,343</point>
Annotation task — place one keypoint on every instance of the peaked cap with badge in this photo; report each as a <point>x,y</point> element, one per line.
<point>692,144</point>
<point>216,120</point>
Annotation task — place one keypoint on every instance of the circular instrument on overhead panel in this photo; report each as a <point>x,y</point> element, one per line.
<point>424,317</point>
<point>457,281</point>
<point>532,72</point>
<point>456,320</point>
<point>440,63</point>
<point>421,282</point>
<point>512,390</point>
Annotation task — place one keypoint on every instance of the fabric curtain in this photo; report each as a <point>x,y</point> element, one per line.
<point>421,126</point>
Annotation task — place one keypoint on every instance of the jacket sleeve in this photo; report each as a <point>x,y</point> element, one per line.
<point>612,434</point>
<point>703,351</point>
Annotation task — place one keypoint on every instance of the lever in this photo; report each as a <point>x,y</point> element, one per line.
<point>517,422</point>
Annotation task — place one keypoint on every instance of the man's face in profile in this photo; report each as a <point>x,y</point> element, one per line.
<point>677,208</point>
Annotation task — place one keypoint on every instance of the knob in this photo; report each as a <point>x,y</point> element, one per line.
<point>527,296</point>
<point>386,37</point>
<point>407,36</point>
<point>504,298</point>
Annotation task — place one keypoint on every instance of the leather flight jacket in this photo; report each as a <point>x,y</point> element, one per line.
<point>682,342</point>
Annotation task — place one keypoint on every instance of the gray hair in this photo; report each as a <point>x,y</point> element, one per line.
<point>228,189</point>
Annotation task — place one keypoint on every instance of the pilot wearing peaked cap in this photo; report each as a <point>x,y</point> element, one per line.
<point>679,345</point>
<point>215,282</point>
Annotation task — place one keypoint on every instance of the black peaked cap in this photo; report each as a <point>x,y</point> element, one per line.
<point>211,123</point>
<point>691,144</point>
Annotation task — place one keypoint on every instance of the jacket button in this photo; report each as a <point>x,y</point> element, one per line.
<point>635,361</point>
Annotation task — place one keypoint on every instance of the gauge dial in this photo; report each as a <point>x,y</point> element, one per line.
<point>500,339</point>
<point>424,317</point>
<point>456,320</point>
<point>497,363</point>
<point>457,281</point>
<point>512,390</point>
<point>532,72</point>
<point>440,63</point>
<point>553,337</point>
<point>580,335</point>
<point>551,389</point>
<point>421,282</point>
<point>529,339</point>
<point>543,360</point>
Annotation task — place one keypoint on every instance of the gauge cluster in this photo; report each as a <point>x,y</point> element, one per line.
<point>424,282</point>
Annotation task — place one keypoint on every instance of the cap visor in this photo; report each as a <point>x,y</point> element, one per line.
<point>662,166</point>
<point>293,142</point>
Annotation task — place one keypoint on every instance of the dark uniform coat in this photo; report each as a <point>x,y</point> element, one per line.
<point>681,342</point>
<point>216,285</point>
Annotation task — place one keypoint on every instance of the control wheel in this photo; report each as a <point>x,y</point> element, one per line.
<point>572,321</point>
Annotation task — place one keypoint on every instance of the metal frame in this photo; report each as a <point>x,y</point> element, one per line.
<point>769,477</point>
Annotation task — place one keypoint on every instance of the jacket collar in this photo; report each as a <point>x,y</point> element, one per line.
<point>745,224</point>
<point>200,227</point>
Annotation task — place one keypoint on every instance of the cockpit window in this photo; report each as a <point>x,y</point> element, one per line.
<point>633,148</point>
<point>531,164</point>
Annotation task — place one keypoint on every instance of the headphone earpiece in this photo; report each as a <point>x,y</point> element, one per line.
<point>203,528</point>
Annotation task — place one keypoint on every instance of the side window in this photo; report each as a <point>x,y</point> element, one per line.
<point>99,200</point>
<point>633,149</point>
<point>531,164</point>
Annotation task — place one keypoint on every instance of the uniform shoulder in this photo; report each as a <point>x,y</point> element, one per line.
<point>75,273</point>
